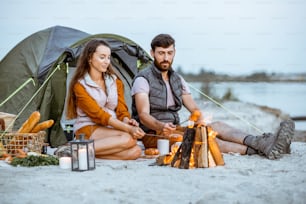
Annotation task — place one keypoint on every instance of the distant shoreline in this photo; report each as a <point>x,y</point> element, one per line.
<point>207,77</point>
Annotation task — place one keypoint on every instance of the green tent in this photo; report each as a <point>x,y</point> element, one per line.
<point>49,58</point>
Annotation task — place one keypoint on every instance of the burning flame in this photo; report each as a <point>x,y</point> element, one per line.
<point>174,148</point>
<point>167,159</point>
<point>211,132</point>
<point>190,123</point>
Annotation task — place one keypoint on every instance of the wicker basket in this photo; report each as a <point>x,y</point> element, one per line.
<point>31,142</point>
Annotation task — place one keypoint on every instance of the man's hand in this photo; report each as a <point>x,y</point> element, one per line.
<point>168,129</point>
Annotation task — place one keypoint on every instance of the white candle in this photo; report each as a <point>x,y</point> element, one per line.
<point>82,159</point>
<point>65,162</point>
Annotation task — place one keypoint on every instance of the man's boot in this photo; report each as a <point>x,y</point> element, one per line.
<point>264,144</point>
<point>285,134</point>
<point>272,146</point>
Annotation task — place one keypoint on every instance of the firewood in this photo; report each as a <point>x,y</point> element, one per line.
<point>215,151</point>
<point>201,148</point>
<point>186,147</point>
<point>211,161</point>
<point>177,156</point>
<point>196,147</point>
<point>163,160</point>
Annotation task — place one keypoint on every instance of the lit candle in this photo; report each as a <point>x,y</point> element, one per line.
<point>82,159</point>
<point>65,162</point>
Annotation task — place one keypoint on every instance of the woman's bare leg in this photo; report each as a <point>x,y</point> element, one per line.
<point>115,144</point>
<point>129,154</point>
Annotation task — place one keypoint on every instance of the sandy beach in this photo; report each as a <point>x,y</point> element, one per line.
<point>243,179</point>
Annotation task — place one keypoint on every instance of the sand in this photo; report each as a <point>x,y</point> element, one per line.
<point>243,179</point>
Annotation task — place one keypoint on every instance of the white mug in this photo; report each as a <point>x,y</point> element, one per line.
<point>163,146</point>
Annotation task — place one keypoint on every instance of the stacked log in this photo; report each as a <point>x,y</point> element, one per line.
<point>199,147</point>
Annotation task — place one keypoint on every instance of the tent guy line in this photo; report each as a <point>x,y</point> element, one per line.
<point>226,109</point>
<point>17,90</point>
<point>31,99</point>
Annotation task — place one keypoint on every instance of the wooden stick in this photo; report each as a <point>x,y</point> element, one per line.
<point>153,135</point>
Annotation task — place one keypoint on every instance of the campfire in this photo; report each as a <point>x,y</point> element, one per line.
<point>198,149</point>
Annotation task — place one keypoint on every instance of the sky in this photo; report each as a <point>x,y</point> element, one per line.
<point>223,36</point>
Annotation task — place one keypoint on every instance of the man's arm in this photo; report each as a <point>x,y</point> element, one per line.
<point>143,109</point>
<point>191,105</point>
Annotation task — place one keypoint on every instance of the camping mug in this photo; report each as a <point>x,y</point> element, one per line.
<point>163,146</point>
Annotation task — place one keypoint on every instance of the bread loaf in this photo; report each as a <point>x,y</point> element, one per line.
<point>151,151</point>
<point>2,149</point>
<point>42,126</point>
<point>29,124</point>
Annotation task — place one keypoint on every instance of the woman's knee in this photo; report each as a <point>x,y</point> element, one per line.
<point>127,140</point>
<point>134,153</point>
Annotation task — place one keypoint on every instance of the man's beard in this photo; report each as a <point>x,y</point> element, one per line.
<point>163,66</point>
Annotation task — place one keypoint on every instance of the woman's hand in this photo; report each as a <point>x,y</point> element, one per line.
<point>132,122</point>
<point>136,132</point>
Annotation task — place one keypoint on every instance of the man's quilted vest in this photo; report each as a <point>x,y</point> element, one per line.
<point>158,96</point>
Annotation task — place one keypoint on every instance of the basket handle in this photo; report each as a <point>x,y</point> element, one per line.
<point>2,124</point>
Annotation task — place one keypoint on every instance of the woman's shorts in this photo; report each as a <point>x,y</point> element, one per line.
<point>87,130</point>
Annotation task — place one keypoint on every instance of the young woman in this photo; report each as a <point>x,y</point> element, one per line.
<point>96,100</point>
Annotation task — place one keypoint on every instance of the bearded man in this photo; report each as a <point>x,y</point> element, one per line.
<point>159,92</point>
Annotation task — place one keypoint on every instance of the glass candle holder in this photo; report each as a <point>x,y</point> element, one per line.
<point>83,154</point>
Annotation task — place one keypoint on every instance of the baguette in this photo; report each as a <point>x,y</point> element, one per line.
<point>2,149</point>
<point>29,124</point>
<point>42,126</point>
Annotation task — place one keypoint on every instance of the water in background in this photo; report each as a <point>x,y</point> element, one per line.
<point>288,97</point>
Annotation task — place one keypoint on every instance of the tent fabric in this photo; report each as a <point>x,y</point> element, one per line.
<point>59,38</point>
<point>53,51</point>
